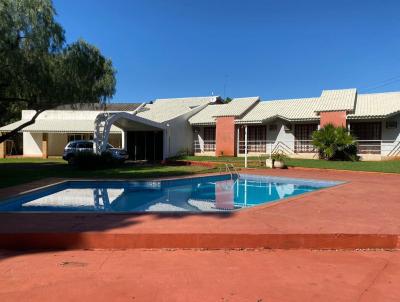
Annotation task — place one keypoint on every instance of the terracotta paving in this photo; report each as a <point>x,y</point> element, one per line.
<point>367,205</point>
<point>193,275</point>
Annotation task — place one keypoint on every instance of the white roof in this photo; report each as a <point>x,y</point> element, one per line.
<point>291,109</point>
<point>337,100</point>
<point>163,110</point>
<point>237,107</point>
<point>190,101</point>
<point>376,105</point>
<point>57,126</point>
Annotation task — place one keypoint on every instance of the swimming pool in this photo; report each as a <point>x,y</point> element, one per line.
<point>219,193</point>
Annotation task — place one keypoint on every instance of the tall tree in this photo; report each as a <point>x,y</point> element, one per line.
<point>38,70</point>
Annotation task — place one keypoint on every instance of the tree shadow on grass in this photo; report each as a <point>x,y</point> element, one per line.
<point>18,173</point>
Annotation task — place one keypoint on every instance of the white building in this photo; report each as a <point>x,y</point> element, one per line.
<point>205,126</point>
<point>157,131</point>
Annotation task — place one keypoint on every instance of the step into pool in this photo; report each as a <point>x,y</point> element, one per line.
<point>220,193</point>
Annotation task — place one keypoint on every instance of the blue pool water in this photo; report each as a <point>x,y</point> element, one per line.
<point>199,194</point>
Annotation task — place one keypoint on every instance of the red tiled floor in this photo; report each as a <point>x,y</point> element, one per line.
<point>193,275</point>
<point>369,204</point>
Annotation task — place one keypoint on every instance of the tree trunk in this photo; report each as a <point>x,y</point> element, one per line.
<point>10,134</point>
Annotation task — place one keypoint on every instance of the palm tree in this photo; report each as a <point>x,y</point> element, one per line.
<point>335,143</point>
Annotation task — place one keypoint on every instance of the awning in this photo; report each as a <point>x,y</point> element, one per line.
<point>57,126</point>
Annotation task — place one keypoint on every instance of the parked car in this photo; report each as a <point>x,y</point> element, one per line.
<point>74,147</point>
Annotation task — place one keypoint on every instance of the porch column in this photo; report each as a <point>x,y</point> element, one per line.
<point>2,150</point>
<point>45,145</point>
<point>245,146</point>
<point>225,136</point>
<point>124,138</point>
<point>165,144</point>
<point>237,140</point>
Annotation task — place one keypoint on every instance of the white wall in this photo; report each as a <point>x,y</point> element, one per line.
<point>390,135</point>
<point>280,137</point>
<point>180,134</point>
<point>179,137</point>
<point>32,144</point>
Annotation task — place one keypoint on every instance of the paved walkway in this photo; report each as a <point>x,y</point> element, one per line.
<point>193,275</point>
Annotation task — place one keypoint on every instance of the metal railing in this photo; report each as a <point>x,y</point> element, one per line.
<point>385,148</point>
<point>201,146</point>
<point>231,169</point>
<point>270,146</point>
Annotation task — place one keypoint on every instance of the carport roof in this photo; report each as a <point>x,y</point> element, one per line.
<point>57,126</point>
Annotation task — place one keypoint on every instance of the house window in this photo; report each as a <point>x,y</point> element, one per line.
<point>368,135</point>
<point>79,136</point>
<point>256,138</point>
<point>209,138</point>
<point>303,135</point>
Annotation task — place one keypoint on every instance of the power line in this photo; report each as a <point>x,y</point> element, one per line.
<point>380,84</point>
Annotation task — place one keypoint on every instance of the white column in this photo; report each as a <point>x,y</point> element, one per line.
<point>245,146</point>
<point>165,142</point>
<point>124,138</point>
<point>238,141</point>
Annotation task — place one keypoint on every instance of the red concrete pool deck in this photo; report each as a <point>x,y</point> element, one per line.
<point>362,213</point>
<point>194,275</point>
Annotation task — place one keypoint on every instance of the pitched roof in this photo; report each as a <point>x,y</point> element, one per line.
<point>190,101</point>
<point>337,100</point>
<point>290,109</point>
<point>237,108</point>
<point>163,110</point>
<point>57,126</point>
<point>376,105</point>
<point>99,107</point>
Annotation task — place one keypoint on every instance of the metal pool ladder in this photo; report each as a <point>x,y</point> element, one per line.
<point>231,169</point>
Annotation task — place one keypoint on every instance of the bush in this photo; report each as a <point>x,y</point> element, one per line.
<point>279,156</point>
<point>92,161</point>
<point>335,143</point>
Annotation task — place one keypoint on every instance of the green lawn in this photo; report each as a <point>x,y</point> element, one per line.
<point>17,171</point>
<point>392,166</point>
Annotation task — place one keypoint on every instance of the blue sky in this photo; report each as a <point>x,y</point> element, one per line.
<point>273,49</point>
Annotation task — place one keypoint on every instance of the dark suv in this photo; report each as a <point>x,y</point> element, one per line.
<point>74,147</point>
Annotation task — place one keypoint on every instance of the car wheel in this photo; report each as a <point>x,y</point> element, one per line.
<point>71,160</point>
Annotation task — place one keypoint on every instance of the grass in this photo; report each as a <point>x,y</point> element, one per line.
<point>389,166</point>
<point>18,171</point>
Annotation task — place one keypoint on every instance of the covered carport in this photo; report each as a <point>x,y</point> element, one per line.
<point>143,139</point>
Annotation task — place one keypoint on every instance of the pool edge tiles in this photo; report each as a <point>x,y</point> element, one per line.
<point>211,193</point>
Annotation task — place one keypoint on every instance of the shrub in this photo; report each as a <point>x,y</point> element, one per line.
<point>335,143</point>
<point>92,161</point>
<point>279,156</point>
